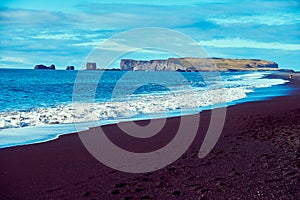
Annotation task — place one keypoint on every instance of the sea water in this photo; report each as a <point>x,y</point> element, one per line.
<point>40,105</point>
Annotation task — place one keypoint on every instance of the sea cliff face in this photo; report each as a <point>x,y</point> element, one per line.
<point>197,64</point>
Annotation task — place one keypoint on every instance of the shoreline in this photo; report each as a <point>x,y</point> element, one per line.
<point>71,128</point>
<point>257,156</point>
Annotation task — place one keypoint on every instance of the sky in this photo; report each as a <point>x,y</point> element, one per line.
<point>65,32</point>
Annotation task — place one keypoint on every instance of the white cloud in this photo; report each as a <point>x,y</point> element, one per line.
<point>242,43</point>
<point>114,45</point>
<point>30,17</point>
<point>87,44</point>
<point>11,59</point>
<point>60,36</point>
<point>271,19</point>
<point>40,34</point>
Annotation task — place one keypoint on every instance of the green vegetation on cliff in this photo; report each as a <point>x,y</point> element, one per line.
<point>197,64</point>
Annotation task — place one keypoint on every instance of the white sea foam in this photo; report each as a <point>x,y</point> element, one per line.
<point>146,104</point>
<point>139,104</point>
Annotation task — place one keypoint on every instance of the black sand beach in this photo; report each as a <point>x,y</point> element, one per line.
<point>256,157</point>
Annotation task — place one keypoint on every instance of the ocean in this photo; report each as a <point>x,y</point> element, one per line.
<point>39,105</point>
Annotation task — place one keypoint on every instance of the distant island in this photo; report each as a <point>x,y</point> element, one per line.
<point>197,64</point>
<point>70,68</point>
<point>51,67</point>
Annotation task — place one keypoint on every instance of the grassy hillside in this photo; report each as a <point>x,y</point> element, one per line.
<point>197,64</point>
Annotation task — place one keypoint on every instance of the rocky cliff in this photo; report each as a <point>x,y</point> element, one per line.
<point>51,67</point>
<point>91,66</point>
<point>70,68</point>
<point>197,64</point>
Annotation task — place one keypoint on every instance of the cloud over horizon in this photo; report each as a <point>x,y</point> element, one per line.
<point>34,32</point>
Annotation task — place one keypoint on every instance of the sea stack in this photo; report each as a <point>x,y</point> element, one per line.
<point>91,66</point>
<point>70,68</point>
<point>51,67</point>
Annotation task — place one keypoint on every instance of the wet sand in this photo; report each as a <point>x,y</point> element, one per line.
<point>256,157</point>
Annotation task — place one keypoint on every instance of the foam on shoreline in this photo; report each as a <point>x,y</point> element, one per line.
<point>43,124</point>
<point>147,104</point>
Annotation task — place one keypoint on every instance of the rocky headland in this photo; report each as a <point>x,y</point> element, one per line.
<point>197,64</point>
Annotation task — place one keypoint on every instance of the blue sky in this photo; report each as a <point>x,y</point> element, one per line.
<point>65,32</point>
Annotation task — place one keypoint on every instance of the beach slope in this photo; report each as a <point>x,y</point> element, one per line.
<point>256,157</point>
